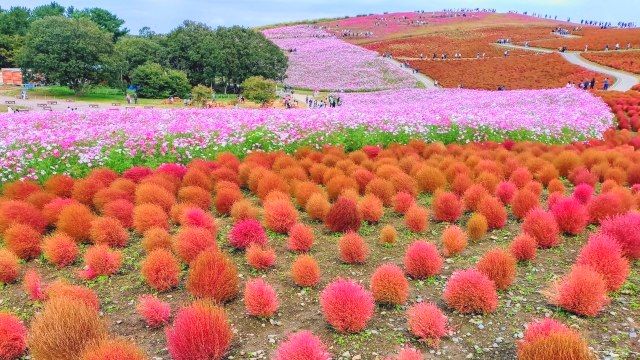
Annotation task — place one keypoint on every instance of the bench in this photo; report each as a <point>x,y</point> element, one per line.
<point>52,102</point>
<point>10,102</point>
<point>42,105</point>
<point>69,100</point>
<point>115,104</point>
<point>94,106</point>
<point>47,108</point>
<point>130,107</point>
<point>148,107</point>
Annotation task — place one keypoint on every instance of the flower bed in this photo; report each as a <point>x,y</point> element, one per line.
<point>623,60</point>
<point>320,61</point>
<point>596,38</point>
<point>41,143</point>
<point>625,106</point>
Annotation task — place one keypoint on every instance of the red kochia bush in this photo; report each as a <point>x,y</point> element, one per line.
<point>194,216</point>
<point>23,241</point>
<point>389,286</point>
<point>246,232</point>
<point>280,215</point>
<point>108,231</point>
<point>156,238</point>
<point>353,249</point>
<point>604,206</point>
<point>604,255</point>
<point>260,257</point>
<point>13,337</point>
<point>302,345</point>
<point>422,260</point>
<point>493,211</point>
<point>9,266</point>
<point>305,271</point>
<point>160,270</point>
<point>427,323</point>
<point>523,247</point>
<point>499,266</point>
<point>549,339</point>
<point>523,201</point>
<point>402,201</point>
<point>343,216</point>
<point>147,216</point>
<point>407,353</point>
<point>213,275</point>
<point>543,227</point>
<point>470,291</point>
<point>582,291</point>
<point>20,212</point>
<point>417,219</point>
<point>623,228</point>
<point>371,208</point>
<point>20,189</point>
<point>61,289</point>
<point>505,191</point>
<point>446,207</point>
<point>572,217</point>
<point>346,306</point>
<point>583,193</point>
<point>32,285</point>
<point>454,240</point>
<point>60,185</point>
<point>121,210</point>
<point>111,349</point>
<point>300,238</point>
<point>199,331</point>
<point>155,312</point>
<point>51,210</point>
<point>60,249</point>
<point>101,260</point>
<point>260,299</point>
<point>188,242</point>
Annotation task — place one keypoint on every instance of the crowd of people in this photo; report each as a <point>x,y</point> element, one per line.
<point>587,84</point>
<point>331,101</point>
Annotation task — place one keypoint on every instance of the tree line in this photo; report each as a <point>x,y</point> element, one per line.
<point>80,48</point>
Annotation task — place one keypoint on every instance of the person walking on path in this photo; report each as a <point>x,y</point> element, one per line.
<point>606,84</point>
<point>592,84</point>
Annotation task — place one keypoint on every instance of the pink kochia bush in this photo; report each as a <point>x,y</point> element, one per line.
<point>470,291</point>
<point>245,232</point>
<point>427,322</point>
<point>346,306</point>
<point>422,260</point>
<point>624,229</point>
<point>604,255</point>
<point>155,312</point>
<point>572,217</point>
<point>13,337</point>
<point>582,291</point>
<point>407,353</point>
<point>543,227</point>
<point>32,285</point>
<point>302,345</point>
<point>260,299</point>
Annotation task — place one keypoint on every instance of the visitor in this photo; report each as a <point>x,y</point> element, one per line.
<point>586,48</point>
<point>606,47</point>
<point>592,84</point>
<point>10,110</point>
<point>617,46</point>
<point>606,84</point>
<point>128,98</point>
<point>135,98</point>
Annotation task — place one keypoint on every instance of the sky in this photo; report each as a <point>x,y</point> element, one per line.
<point>164,15</point>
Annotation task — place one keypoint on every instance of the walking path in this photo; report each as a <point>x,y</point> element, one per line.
<point>428,82</point>
<point>624,81</point>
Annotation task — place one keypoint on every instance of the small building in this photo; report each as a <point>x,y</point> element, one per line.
<point>11,76</point>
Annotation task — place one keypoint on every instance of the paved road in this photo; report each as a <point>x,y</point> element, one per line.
<point>420,77</point>
<point>624,80</point>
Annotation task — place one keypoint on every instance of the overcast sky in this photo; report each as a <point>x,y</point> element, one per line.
<point>164,15</point>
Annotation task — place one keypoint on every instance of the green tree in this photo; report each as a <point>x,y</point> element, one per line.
<point>106,20</point>
<point>192,48</point>
<point>134,51</point>
<point>15,21</point>
<point>72,52</point>
<point>155,81</point>
<point>52,9</point>
<point>259,89</point>
<point>201,94</point>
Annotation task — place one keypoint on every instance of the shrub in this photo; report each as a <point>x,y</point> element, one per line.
<point>9,266</point>
<point>85,189</point>
<point>427,323</point>
<point>523,247</point>
<point>505,191</point>
<point>388,235</point>
<point>158,82</point>
<point>19,212</point>
<point>416,219</point>
<point>317,207</point>
<point>245,232</point>
<point>108,231</point>
<point>470,291</point>
<point>196,217</point>
<point>101,260</point>
<point>477,226</point>
<point>243,210</point>
<point>259,89</point>
<point>190,241</point>
<point>346,306</point>
<point>389,286</point>
<point>199,331</point>
<point>213,275</point>
<point>604,206</point>
<point>542,328</point>
<point>61,289</point>
<point>549,339</point>
<point>147,216</point>
<point>583,193</point>
<point>107,195</point>
<point>260,299</point>
<point>572,217</point>
<point>343,216</point>
<point>582,291</point>
<point>381,189</point>
<point>137,173</point>
<point>446,207</point>
<point>32,285</point>
<point>422,260</point>
<point>302,345</point>
<point>402,201</point>
<point>543,227</point>
<point>40,198</point>
<point>260,257</point>
<point>51,210</point>
<point>60,185</point>
<point>160,270</point>
<point>156,313</point>
<point>408,353</point>
<point>493,211</point>
<point>430,179</point>
<point>121,210</point>
<point>156,238</point>
<point>499,266</point>
<point>13,337</point>
<point>604,255</point>
<point>370,208</point>
<point>23,241</point>
<point>280,215</point>
<point>63,330</point>
<point>473,195</point>
<point>454,240</point>
<point>622,228</point>
<point>300,238</point>
<point>108,349</point>
<point>523,202</point>
<point>353,249</point>
<point>225,198</point>
<point>305,271</point>
<point>195,195</point>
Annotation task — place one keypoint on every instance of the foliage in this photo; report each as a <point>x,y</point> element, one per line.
<point>135,51</point>
<point>106,20</point>
<point>200,95</point>
<point>155,81</point>
<point>259,89</point>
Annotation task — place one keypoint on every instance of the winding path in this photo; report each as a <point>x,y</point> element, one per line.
<point>428,82</point>
<point>624,81</point>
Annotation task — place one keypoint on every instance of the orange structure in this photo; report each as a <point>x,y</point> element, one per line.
<point>11,76</point>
